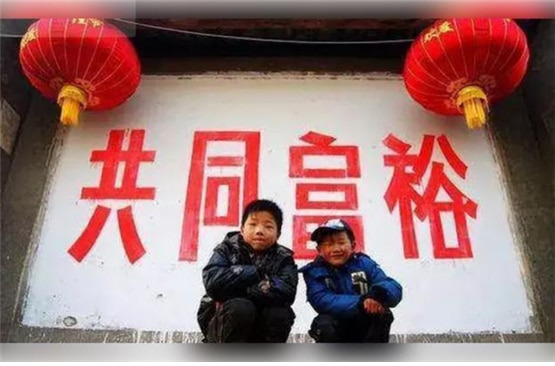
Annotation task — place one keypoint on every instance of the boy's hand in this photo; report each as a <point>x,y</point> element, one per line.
<point>265,285</point>
<point>371,306</point>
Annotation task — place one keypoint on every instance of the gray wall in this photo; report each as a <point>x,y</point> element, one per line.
<point>526,145</point>
<point>15,92</point>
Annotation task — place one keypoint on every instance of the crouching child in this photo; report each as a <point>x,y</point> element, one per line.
<point>350,292</point>
<point>250,282</point>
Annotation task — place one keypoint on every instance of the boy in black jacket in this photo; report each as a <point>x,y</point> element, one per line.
<point>250,282</point>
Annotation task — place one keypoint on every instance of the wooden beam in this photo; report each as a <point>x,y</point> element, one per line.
<point>376,24</point>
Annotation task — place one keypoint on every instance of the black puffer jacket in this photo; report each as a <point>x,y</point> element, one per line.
<point>235,270</point>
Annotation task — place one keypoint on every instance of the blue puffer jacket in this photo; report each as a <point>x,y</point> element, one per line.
<point>340,292</point>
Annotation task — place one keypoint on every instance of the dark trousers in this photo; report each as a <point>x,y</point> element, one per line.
<point>361,329</point>
<point>240,320</point>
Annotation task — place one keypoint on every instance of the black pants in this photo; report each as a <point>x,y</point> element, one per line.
<point>361,329</point>
<point>240,320</point>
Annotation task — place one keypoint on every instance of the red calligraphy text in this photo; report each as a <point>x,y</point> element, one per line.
<point>111,158</point>
<point>403,192</point>
<point>212,189</point>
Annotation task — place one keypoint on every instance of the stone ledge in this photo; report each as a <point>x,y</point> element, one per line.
<point>24,334</point>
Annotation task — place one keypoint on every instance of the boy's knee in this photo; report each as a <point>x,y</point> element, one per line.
<point>277,323</point>
<point>385,318</point>
<point>239,310</point>
<point>379,327</point>
<point>232,321</point>
<point>279,315</point>
<point>324,328</point>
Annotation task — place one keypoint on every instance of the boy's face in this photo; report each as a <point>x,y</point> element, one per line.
<point>260,230</point>
<point>336,248</point>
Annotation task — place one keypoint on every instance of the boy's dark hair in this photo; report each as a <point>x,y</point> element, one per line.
<point>263,205</point>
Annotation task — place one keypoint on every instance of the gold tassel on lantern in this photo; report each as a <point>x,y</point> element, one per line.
<point>474,103</point>
<point>72,100</point>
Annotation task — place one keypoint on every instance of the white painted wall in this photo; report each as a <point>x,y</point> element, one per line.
<point>158,292</point>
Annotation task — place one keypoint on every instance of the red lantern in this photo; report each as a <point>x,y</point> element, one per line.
<point>83,63</point>
<point>460,66</point>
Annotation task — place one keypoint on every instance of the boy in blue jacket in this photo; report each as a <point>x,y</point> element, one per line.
<point>348,290</point>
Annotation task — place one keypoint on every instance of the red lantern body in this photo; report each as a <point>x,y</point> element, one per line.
<point>91,58</point>
<point>457,65</point>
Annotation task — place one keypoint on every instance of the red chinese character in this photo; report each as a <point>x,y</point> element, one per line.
<point>111,158</point>
<point>337,196</point>
<point>322,147</point>
<point>217,184</point>
<point>348,192</point>
<point>408,171</point>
